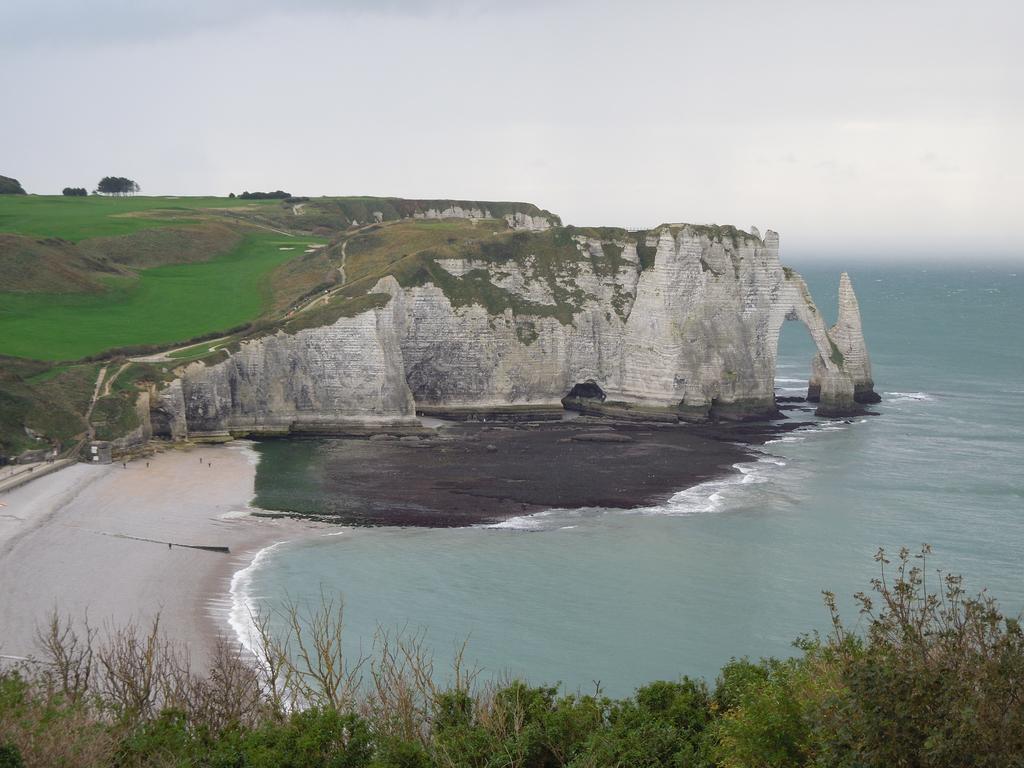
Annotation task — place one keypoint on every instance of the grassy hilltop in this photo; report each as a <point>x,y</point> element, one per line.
<point>79,218</point>
<point>93,281</point>
<point>90,274</point>
<point>158,305</point>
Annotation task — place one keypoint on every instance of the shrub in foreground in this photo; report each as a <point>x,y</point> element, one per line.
<point>935,680</point>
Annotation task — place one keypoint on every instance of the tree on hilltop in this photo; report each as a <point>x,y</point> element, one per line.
<point>277,194</point>
<point>74,192</point>
<point>9,186</point>
<point>117,185</point>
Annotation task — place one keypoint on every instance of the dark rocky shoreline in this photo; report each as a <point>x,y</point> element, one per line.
<point>471,473</point>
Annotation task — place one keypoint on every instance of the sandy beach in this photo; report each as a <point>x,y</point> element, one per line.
<point>122,543</point>
<point>95,538</point>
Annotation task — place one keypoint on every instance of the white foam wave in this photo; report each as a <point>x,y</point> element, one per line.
<point>907,397</point>
<point>709,496</point>
<point>243,606</point>
<point>714,495</point>
<point>234,514</point>
<point>785,439</point>
<point>532,522</point>
<point>247,449</point>
<point>784,380</point>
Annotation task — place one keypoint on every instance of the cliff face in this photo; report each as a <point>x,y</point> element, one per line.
<point>515,220</point>
<point>680,321</point>
<point>348,372</point>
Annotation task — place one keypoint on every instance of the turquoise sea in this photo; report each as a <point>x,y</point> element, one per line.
<point>733,567</point>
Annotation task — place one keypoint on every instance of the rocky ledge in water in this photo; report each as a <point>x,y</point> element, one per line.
<point>471,473</point>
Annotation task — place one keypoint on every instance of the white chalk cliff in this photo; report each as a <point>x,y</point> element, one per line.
<point>690,330</point>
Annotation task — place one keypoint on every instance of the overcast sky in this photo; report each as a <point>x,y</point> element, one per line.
<point>850,127</point>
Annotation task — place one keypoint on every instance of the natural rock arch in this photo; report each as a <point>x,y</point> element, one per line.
<point>841,370</point>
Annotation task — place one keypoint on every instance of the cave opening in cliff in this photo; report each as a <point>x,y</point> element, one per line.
<point>793,364</point>
<point>587,390</point>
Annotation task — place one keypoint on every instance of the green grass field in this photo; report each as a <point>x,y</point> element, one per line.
<point>78,218</point>
<point>166,304</point>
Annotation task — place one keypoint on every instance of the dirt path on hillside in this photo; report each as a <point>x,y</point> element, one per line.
<point>326,295</point>
<point>90,432</point>
<point>165,356</point>
<point>341,265</point>
<point>108,383</point>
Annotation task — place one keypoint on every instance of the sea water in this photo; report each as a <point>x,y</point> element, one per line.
<point>734,567</point>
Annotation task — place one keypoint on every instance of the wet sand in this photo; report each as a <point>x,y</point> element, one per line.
<point>95,539</point>
<point>474,473</point>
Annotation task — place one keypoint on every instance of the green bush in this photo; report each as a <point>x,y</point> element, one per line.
<point>764,724</point>
<point>313,738</point>
<point>936,680</point>
<point>396,753</point>
<point>10,757</point>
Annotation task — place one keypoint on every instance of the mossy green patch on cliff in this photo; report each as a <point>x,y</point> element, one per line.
<point>526,331</point>
<point>475,287</point>
<point>836,356</point>
<point>716,233</point>
<point>613,256</point>
<point>210,357</point>
<point>725,233</point>
<point>604,234</point>
<point>398,249</point>
<point>551,257</point>
<point>333,310</point>
<point>609,265</point>
<point>114,415</point>
<point>729,236</point>
<point>410,250</point>
<point>140,375</point>
<point>705,267</point>
<point>646,254</point>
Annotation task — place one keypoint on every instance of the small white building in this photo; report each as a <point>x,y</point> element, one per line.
<point>100,452</point>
